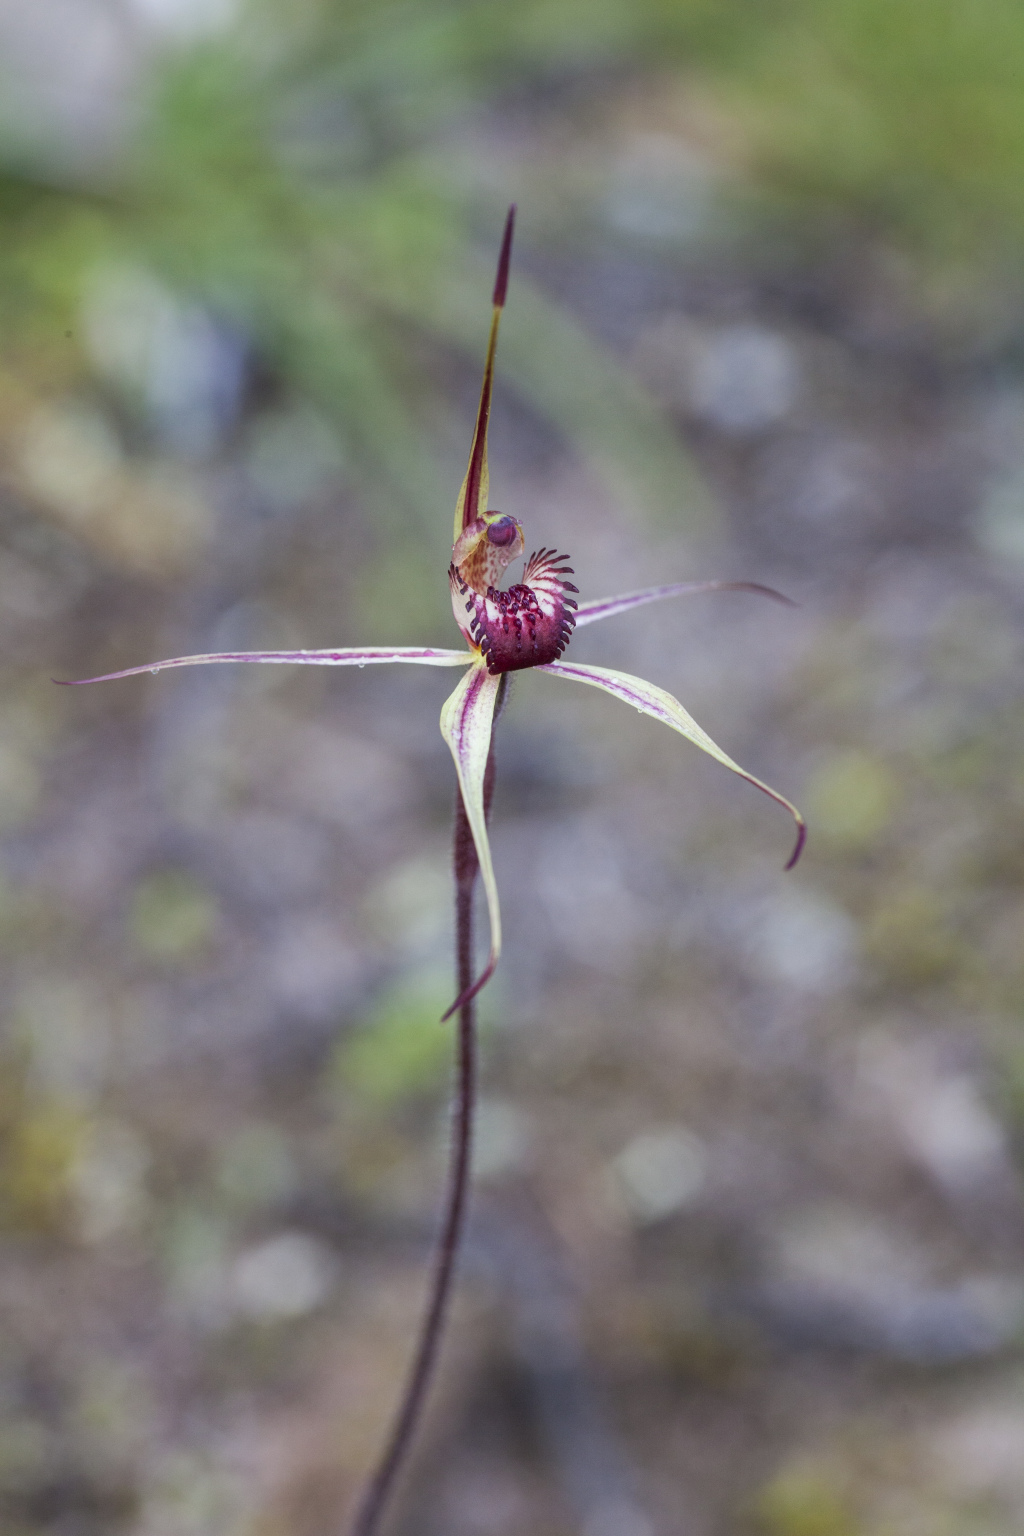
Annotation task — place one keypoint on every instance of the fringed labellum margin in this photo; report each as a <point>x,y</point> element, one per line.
<point>525,625</point>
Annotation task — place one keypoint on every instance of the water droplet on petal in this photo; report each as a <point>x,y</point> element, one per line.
<point>153,671</point>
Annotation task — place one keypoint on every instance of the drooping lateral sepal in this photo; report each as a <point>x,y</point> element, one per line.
<point>529,624</point>
<point>654,701</point>
<point>466,723</point>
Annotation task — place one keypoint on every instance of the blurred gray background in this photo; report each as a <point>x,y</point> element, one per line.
<point>746,1247</point>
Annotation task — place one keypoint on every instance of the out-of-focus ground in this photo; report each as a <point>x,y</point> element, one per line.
<point>748,1233</point>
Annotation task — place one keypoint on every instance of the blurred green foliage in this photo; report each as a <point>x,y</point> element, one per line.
<point>255,1168</point>
<point>293,174</point>
<point>803,1501</point>
<point>850,798</point>
<point>399,1051</point>
<point>172,917</point>
<point>907,114</point>
<point>41,1142</point>
<point>291,178</point>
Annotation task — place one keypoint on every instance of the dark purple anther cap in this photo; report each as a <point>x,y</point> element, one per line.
<point>502,532</point>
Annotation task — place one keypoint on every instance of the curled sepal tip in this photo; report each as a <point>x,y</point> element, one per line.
<point>466,722</point>
<point>660,705</point>
<point>801,836</point>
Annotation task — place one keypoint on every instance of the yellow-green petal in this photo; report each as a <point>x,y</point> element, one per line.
<point>466,723</point>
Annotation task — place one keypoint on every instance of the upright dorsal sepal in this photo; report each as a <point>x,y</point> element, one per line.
<point>501,280</point>
<point>472,502</point>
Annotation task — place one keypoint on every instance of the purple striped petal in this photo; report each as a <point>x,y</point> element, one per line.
<point>653,701</point>
<point>368,655</point>
<point>605,607</point>
<point>466,722</point>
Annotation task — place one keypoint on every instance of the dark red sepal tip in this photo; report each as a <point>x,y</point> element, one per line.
<point>801,838</point>
<point>469,993</point>
<point>501,281</point>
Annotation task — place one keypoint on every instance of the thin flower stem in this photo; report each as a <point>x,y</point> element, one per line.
<point>381,1484</point>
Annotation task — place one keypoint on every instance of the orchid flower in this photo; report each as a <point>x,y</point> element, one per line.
<point>505,629</point>
<point>526,625</point>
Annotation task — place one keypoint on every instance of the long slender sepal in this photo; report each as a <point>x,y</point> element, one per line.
<point>472,502</point>
<point>653,701</point>
<point>466,723</point>
<point>367,656</point>
<point>605,607</point>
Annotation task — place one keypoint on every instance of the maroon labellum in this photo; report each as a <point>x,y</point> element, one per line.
<point>527,625</point>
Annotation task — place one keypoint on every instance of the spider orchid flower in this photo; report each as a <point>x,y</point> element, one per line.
<point>507,629</point>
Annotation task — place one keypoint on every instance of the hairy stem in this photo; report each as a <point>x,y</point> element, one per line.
<point>381,1484</point>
